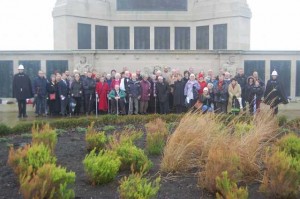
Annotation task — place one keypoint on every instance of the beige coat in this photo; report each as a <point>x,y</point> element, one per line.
<point>236,91</point>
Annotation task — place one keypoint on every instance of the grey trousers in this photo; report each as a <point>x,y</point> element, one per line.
<point>143,106</point>
<point>133,105</point>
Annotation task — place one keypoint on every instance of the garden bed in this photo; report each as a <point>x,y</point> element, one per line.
<point>70,152</point>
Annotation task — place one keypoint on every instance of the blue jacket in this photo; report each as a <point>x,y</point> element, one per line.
<point>134,88</point>
<point>63,88</point>
<point>39,86</point>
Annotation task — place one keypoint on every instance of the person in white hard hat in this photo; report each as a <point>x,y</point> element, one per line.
<point>274,94</point>
<point>22,90</point>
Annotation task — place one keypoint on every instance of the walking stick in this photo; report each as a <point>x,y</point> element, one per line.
<point>155,105</point>
<point>108,100</point>
<point>130,105</point>
<point>97,97</point>
<point>117,106</point>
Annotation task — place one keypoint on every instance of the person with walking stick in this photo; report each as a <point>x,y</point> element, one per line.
<point>117,97</point>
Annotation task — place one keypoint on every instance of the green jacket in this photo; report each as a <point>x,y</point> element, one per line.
<point>112,94</point>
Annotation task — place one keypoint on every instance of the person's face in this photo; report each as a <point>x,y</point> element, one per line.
<point>113,73</point>
<point>255,74</point>
<point>53,78</point>
<point>133,76</point>
<point>102,79</point>
<point>274,77</point>
<point>165,70</point>
<point>108,77</point>
<point>186,75</point>
<point>64,76</point>
<point>205,92</point>
<point>21,70</point>
<point>77,77</point>
<point>145,78</point>
<point>209,86</point>
<point>221,78</point>
<point>179,77</point>
<point>41,74</point>
<point>153,77</point>
<point>160,80</point>
<point>89,75</point>
<point>251,81</point>
<point>241,72</point>
<point>192,77</point>
<point>58,78</point>
<point>138,72</point>
<point>117,87</point>
<point>201,79</point>
<point>256,83</point>
<point>233,82</point>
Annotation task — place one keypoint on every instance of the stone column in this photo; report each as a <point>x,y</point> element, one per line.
<point>193,38</point>
<point>293,77</point>
<point>211,37</point>
<point>131,37</point>
<point>172,38</point>
<point>43,65</point>
<point>93,39</point>
<point>267,70</point>
<point>152,38</point>
<point>110,37</point>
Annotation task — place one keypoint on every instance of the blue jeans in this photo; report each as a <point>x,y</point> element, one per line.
<point>40,106</point>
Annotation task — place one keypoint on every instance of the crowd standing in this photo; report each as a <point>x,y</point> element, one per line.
<point>161,92</point>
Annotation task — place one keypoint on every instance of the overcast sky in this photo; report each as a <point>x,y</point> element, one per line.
<point>27,24</point>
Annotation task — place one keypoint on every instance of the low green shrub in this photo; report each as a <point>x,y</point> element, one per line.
<point>282,120</point>
<point>49,181</point>
<point>81,130</point>
<point>4,130</point>
<point>138,187</point>
<point>44,135</point>
<point>129,127</point>
<point>227,189</point>
<point>109,128</point>
<point>130,155</point>
<point>242,128</point>
<point>290,144</point>
<point>60,131</point>
<point>282,176</point>
<point>126,136</point>
<point>96,140</point>
<point>35,156</point>
<point>26,135</point>
<point>101,168</point>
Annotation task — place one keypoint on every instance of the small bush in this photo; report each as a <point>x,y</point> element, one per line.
<point>4,130</point>
<point>81,130</point>
<point>101,168</point>
<point>137,187</point>
<point>157,134</point>
<point>123,137</point>
<point>34,156</point>
<point>293,124</point>
<point>95,139</point>
<point>282,120</point>
<point>129,127</point>
<point>282,176</point>
<point>49,181</point>
<point>45,135</point>
<point>130,155</point>
<point>291,145</point>
<point>227,189</point>
<point>242,128</point>
<point>109,128</point>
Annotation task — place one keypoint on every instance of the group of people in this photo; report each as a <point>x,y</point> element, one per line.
<point>133,93</point>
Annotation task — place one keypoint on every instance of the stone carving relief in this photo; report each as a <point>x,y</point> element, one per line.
<point>83,65</point>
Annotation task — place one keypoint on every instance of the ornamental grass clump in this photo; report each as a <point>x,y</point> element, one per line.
<point>45,135</point>
<point>101,168</point>
<point>136,186</point>
<point>222,156</point>
<point>34,156</point>
<point>190,143</point>
<point>157,134</point>
<point>95,139</point>
<point>48,181</point>
<point>132,156</point>
<point>227,188</point>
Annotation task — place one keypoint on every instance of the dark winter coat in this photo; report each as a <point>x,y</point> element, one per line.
<point>145,90</point>
<point>39,86</point>
<point>63,89</point>
<point>22,88</point>
<point>242,80</point>
<point>76,89</point>
<point>89,86</point>
<point>163,90</point>
<point>134,89</point>
<point>221,94</point>
<point>206,100</point>
<point>179,98</point>
<point>275,93</point>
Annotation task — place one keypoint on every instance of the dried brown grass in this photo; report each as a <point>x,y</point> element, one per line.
<point>190,142</point>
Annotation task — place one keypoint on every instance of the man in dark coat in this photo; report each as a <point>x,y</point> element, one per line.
<point>22,90</point>
<point>163,90</point>
<point>39,89</point>
<point>275,94</point>
<point>134,92</point>
<point>63,90</point>
<point>89,90</point>
<point>242,81</point>
<point>179,98</point>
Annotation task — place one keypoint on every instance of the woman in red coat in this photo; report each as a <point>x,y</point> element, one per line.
<point>102,89</point>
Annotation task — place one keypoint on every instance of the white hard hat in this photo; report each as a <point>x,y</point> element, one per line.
<point>274,73</point>
<point>21,67</point>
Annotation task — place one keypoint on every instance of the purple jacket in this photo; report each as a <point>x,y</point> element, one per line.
<point>145,90</point>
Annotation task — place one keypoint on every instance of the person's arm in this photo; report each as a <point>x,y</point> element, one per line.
<point>122,94</point>
<point>112,94</point>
